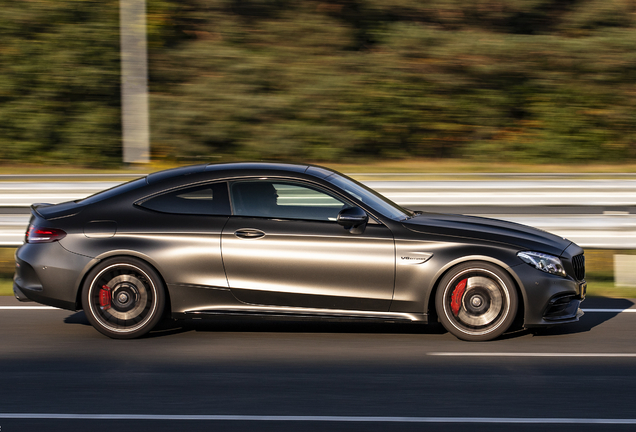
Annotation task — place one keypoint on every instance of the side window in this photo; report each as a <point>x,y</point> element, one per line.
<point>210,199</point>
<point>285,200</point>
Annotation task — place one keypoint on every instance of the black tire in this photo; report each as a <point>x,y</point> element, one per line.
<point>123,297</point>
<point>476,301</point>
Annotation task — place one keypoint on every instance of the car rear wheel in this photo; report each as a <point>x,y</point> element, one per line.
<point>476,301</point>
<point>123,297</point>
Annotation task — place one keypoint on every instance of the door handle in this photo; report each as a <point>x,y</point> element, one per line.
<point>249,233</point>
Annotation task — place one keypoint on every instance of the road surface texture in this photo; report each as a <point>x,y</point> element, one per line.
<point>58,374</point>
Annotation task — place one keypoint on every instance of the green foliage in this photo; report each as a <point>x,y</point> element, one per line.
<point>526,80</point>
<point>59,81</point>
<point>508,80</point>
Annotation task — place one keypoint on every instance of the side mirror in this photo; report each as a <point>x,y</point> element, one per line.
<point>354,219</point>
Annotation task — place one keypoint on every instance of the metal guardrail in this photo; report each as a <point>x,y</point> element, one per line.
<point>616,230</point>
<point>409,193</point>
<point>603,232</point>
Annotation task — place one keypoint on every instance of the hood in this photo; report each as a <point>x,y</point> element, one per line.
<point>492,230</point>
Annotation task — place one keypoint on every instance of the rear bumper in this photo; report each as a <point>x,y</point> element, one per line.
<point>49,274</point>
<point>17,292</point>
<point>33,295</point>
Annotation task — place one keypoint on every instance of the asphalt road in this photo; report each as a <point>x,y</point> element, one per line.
<point>58,373</point>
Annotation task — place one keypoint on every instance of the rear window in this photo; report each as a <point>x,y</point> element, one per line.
<point>209,199</point>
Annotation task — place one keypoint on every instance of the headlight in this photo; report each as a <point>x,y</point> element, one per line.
<point>544,262</point>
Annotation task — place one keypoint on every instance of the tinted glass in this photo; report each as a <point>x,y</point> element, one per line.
<point>210,199</point>
<point>370,197</point>
<point>285,200</point>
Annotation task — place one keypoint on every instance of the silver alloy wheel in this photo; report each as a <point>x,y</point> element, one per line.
<point>477,302</point>
<point>483,304</point>
<point>123,298</point>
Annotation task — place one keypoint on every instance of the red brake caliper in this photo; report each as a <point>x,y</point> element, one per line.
<point>104,297</point>
<point>458,293</point>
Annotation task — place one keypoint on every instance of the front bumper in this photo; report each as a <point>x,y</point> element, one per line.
<point>565,308</point>
<point>549,299</point>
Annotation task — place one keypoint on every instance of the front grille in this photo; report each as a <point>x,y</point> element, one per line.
<point>578,262</point>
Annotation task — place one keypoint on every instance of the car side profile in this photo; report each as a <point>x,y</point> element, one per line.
<point>289,240</point>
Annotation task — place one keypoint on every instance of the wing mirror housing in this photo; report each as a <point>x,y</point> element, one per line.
<point>354,219</point>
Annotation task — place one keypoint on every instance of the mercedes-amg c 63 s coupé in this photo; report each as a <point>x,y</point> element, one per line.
<point>289,240</point>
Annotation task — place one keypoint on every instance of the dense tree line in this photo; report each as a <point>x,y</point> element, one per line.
<point>507,80</point>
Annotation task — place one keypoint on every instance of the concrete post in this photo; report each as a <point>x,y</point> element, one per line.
<point>134,81</point>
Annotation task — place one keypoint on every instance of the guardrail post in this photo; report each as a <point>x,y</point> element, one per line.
<point>625,270</point>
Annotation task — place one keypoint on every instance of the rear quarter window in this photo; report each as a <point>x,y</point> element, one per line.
<point>209,199</point>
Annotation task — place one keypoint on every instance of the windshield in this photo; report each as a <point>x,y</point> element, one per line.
<point>370,197</point>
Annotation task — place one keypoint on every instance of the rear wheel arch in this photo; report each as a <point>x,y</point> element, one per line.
<point>167,303</point>
<point>118,254</point>
<point>123,297</point>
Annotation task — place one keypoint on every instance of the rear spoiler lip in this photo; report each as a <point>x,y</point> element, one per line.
<point>51,217</point>
<point>35,206</point>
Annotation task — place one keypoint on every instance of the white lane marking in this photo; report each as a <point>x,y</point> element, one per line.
<point>528,354</point>
<point>28,308</point>
<point>283,418</point>
<point>610,310</point>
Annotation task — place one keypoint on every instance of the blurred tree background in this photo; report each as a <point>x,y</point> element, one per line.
<point>327,80</point>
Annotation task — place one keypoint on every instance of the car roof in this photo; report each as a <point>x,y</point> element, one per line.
<point>236,168</point>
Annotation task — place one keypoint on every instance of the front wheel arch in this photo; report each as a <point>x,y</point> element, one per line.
<point>486,277</point>
<point>429,306</point>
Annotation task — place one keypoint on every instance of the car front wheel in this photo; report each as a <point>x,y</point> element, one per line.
<point>476,301</point>
<point>123,297</point>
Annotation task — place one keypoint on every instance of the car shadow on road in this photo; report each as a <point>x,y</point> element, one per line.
<point>164,328</point>
<point>279,325</point>
<point>251,324</point>
<point>599,311</point>
<point>77,318</point>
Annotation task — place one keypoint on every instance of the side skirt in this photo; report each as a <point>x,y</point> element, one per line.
<point>291,312</point>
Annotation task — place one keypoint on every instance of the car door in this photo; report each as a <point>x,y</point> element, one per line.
<point>283,246</point>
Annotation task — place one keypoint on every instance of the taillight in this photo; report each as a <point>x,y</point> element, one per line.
<point>36,234</point>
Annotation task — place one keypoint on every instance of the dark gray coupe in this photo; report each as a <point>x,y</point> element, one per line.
<point>289,240</point>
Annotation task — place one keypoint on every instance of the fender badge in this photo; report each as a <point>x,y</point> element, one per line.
<point>414,260</point>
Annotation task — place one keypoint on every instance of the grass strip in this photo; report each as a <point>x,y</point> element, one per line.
<point>412,165</point>
<point>6,287</point>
